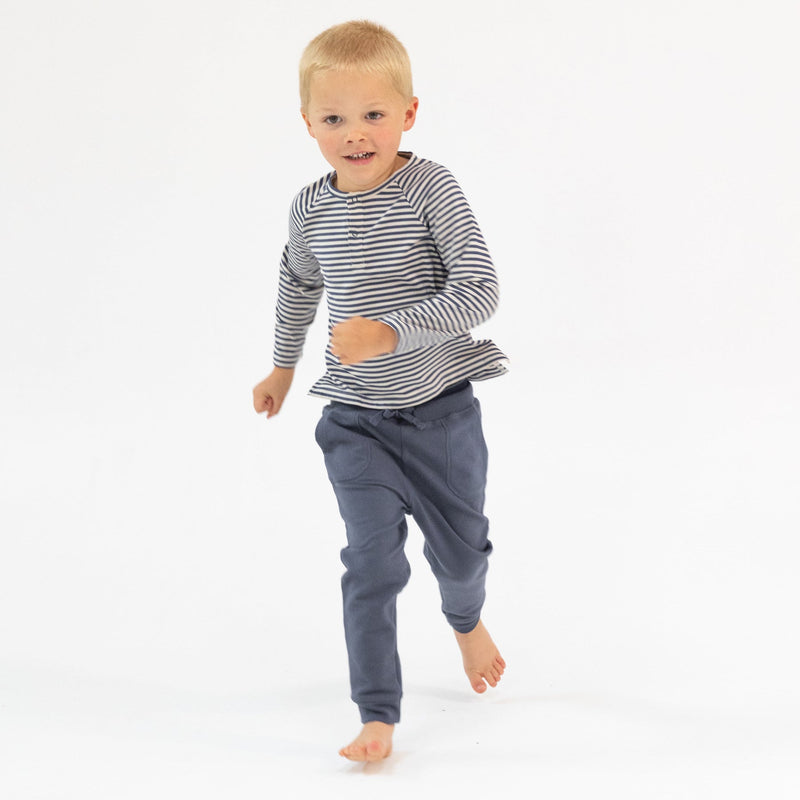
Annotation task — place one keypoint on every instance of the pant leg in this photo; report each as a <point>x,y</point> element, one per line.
<point>446,463</point>
<point>366,478</point>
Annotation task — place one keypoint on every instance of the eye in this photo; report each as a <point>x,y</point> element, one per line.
<point>373,115</point>
<point>332,119</point>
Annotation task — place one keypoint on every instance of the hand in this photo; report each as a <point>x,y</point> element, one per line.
<point>270,393</point>
<point>358,339</point>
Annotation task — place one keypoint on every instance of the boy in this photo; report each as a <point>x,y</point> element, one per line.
<point>391,240</point>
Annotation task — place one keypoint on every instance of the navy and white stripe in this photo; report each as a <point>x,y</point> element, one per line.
<point>408,253</point>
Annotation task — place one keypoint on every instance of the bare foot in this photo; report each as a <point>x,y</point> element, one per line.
<point>482,660</point>
<point>372,744</point>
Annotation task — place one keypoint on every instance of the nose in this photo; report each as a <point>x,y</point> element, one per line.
<point>355,134</point>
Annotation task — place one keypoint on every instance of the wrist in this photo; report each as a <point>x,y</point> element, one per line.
<point>389,337</point>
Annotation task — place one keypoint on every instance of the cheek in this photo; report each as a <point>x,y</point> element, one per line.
<point>327,135</point>
<point>324,139</point>
<point>386,136</point>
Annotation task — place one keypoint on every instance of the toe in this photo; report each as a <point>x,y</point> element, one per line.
<point>478,685</point>
<point>353,753</point>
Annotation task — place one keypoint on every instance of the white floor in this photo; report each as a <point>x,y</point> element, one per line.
<point>66,737</point>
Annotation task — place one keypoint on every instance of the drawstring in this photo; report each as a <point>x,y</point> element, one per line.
<point>402,414</point>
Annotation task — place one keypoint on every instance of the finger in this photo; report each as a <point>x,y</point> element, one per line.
<point>274,408</point>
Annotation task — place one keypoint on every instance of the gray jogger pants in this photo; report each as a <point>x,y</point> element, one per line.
<point>430,462</point>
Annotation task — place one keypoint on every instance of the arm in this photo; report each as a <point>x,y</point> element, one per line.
<point>299,291</point>
<point>470,294</point>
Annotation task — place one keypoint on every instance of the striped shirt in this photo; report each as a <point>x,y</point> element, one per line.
<point>408,253</point>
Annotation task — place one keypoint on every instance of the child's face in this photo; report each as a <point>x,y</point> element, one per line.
<point>358,120</point>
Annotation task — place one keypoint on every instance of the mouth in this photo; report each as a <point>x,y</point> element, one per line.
<point>364,156</point>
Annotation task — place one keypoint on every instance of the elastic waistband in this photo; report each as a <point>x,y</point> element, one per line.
<point>455,398</point>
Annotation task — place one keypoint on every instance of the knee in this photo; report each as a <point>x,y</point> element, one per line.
<point>370,571</point>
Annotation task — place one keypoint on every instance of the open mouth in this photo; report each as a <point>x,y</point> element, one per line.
<point>360,156</point>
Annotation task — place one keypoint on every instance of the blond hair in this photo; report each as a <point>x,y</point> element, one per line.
<point>359,45</point>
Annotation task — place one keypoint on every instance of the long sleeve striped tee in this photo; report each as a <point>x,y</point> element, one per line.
<point>408,253</point>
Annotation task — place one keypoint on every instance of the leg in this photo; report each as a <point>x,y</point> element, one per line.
<point>450,480</point>
<point>447,463</point>
<point>363,476</point>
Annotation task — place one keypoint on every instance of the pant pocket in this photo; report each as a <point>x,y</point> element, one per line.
<point>467,455</point>
<point>346,448</point>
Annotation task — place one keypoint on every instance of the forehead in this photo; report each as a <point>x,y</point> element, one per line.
<point>350,87</point>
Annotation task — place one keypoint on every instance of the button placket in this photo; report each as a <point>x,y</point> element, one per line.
<point>355,236</point>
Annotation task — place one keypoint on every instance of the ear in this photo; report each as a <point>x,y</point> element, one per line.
<point>411,114</point>
<point>308,124</point>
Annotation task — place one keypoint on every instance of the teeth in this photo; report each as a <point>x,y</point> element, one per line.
<point>360,155</point>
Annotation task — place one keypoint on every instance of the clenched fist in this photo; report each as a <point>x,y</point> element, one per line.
<point>358,339</point>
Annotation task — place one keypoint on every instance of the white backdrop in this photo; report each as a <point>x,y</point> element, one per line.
<point>635,169</point>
